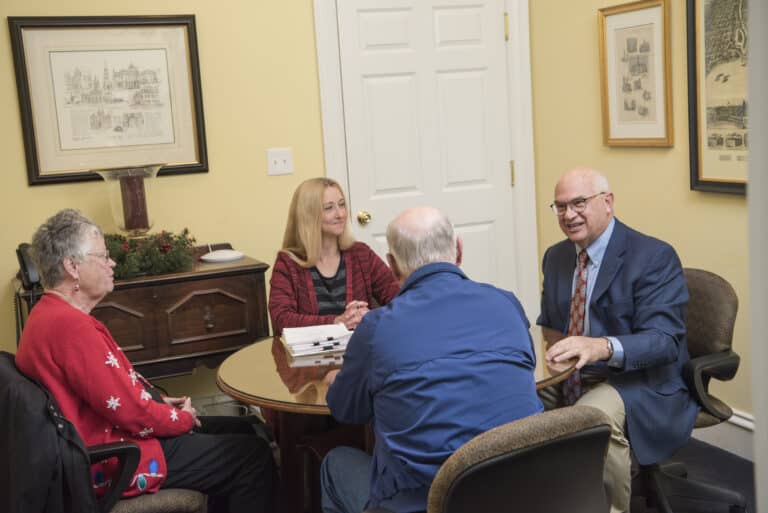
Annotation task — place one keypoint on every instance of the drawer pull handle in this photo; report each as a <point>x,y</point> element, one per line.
<point>210,322</point>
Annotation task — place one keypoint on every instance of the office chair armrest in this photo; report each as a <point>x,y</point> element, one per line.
<point>127,454</point>
<point>697,373</point>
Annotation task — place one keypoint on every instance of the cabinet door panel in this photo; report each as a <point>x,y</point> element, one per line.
<point>129,318</point>
<point>207,315</point>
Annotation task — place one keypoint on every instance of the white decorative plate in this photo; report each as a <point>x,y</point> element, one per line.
<point>222,255</point>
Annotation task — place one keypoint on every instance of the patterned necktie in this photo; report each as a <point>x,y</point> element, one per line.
<point>572,386</point>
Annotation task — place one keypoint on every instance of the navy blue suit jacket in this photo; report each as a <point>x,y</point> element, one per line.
<point>639,298</point>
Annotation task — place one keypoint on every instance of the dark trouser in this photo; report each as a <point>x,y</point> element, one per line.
<point>226,458</point>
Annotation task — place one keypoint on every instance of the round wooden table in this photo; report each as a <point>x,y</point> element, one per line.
<point>261,374</point>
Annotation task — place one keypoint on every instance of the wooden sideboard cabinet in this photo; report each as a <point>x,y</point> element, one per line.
<point>168,324</point>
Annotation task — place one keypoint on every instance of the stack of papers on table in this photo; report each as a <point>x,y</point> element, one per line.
<point>316,360</point>
<point>315,340</point>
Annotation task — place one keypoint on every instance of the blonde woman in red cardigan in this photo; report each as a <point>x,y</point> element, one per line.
<point>75,357</point>
<point>322,275</point>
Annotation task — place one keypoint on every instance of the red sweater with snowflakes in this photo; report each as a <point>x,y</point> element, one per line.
<point>77,360</point>
<point>292,299</point>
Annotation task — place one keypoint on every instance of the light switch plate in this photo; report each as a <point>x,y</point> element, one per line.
<point>279,161</point>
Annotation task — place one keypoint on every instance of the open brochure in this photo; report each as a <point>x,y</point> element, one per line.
<point>310,340</point>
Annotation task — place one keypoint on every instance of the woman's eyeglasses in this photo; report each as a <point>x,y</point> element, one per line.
<point>104,256</point>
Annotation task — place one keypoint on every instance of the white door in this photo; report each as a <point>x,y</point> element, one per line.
<point>426,116</point>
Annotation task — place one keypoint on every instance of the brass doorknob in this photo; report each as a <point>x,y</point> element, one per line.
<point>363,217</point>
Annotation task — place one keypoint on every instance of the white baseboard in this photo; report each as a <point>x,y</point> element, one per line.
<point>734,435</point>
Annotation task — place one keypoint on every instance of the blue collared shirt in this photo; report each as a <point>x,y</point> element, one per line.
<point>596,252</point>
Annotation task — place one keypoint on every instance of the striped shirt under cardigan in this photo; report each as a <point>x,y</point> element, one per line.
<point>292,299</point>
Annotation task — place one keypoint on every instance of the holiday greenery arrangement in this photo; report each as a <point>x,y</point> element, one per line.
<point>157,253</point>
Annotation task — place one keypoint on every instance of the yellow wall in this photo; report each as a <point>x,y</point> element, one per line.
<point>651,186</point>
<point>260,90</point>
<point>259,81</point>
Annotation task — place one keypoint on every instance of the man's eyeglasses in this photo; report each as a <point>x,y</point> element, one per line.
<point>577,205</point>
<point>104,256</point>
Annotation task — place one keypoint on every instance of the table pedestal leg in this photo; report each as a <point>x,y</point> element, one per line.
<point>304,440</point>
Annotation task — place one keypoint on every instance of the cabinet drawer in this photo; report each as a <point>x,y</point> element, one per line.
<point>208,315</point>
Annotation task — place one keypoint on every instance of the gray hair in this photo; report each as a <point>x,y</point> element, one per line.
<point>63,235</point>
<point>421,236</point>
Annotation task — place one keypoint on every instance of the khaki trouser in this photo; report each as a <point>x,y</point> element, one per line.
<point>617,475</point>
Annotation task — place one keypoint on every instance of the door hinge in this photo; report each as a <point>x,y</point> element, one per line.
<point>512,173</point>
<point>506,26</point>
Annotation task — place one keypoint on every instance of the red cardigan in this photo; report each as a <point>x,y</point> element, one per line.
<point>77,360</point>
<point>292,299</point>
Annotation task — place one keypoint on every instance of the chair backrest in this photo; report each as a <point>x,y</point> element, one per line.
<point>546,463</point>
<point>711,313</point>
<point>45,465</point>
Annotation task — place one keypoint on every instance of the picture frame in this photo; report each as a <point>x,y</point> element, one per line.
<point>100,92</point>
<point>635,74</point>
<point>717,95</point>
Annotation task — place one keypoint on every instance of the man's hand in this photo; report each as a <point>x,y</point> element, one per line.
<point>586,349</point>
<point>353,314</point>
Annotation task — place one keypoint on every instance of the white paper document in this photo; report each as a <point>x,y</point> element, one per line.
<point>309,340</point>
<point>314,361</point>
<point>315,334</point>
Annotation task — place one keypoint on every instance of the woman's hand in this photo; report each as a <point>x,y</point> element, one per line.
<point>184,404</point>
<point>175,401</point>
<point>353,314</point>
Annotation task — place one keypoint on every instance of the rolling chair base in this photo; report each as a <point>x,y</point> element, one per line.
<point>663,486</point>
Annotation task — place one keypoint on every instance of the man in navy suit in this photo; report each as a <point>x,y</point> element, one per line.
<point>631,348</point>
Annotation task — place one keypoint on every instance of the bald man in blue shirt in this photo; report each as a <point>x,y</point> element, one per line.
<point>447,359</point>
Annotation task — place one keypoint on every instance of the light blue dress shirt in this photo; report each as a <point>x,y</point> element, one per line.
<point>596,252</point>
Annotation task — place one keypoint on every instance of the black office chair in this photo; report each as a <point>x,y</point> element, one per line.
<point>45,466</point>
<point>547,463</point>
<point>710,318</point>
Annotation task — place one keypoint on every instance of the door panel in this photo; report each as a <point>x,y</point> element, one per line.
<point>426,121</point>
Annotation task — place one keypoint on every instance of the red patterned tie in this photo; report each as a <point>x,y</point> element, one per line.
<point>572,386</point>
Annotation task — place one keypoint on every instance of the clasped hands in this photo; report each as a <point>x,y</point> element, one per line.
<point>353,314</point>
<point>184,404</point>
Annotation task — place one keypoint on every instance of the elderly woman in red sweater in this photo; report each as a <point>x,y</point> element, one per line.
<point>74,356</point>
<point>321,275</point>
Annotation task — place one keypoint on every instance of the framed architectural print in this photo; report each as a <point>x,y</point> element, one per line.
<point>635,74</point>
<point>717,95</point>
<point>105,92</point>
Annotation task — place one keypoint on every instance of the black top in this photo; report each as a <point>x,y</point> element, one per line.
<point>331,291</point>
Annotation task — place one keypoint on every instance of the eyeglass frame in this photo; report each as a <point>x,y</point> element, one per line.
<point>103,256</point>
<point>572,204</point>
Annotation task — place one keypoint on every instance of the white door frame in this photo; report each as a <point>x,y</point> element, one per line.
<point>521,128</point>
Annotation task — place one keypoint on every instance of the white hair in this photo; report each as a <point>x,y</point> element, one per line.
<point>421,236</point>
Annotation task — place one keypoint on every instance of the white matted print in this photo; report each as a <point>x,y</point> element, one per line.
<point>107,92</point>
<point>635,81</point>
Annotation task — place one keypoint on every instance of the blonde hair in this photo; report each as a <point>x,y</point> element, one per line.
<point>303,236</point>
